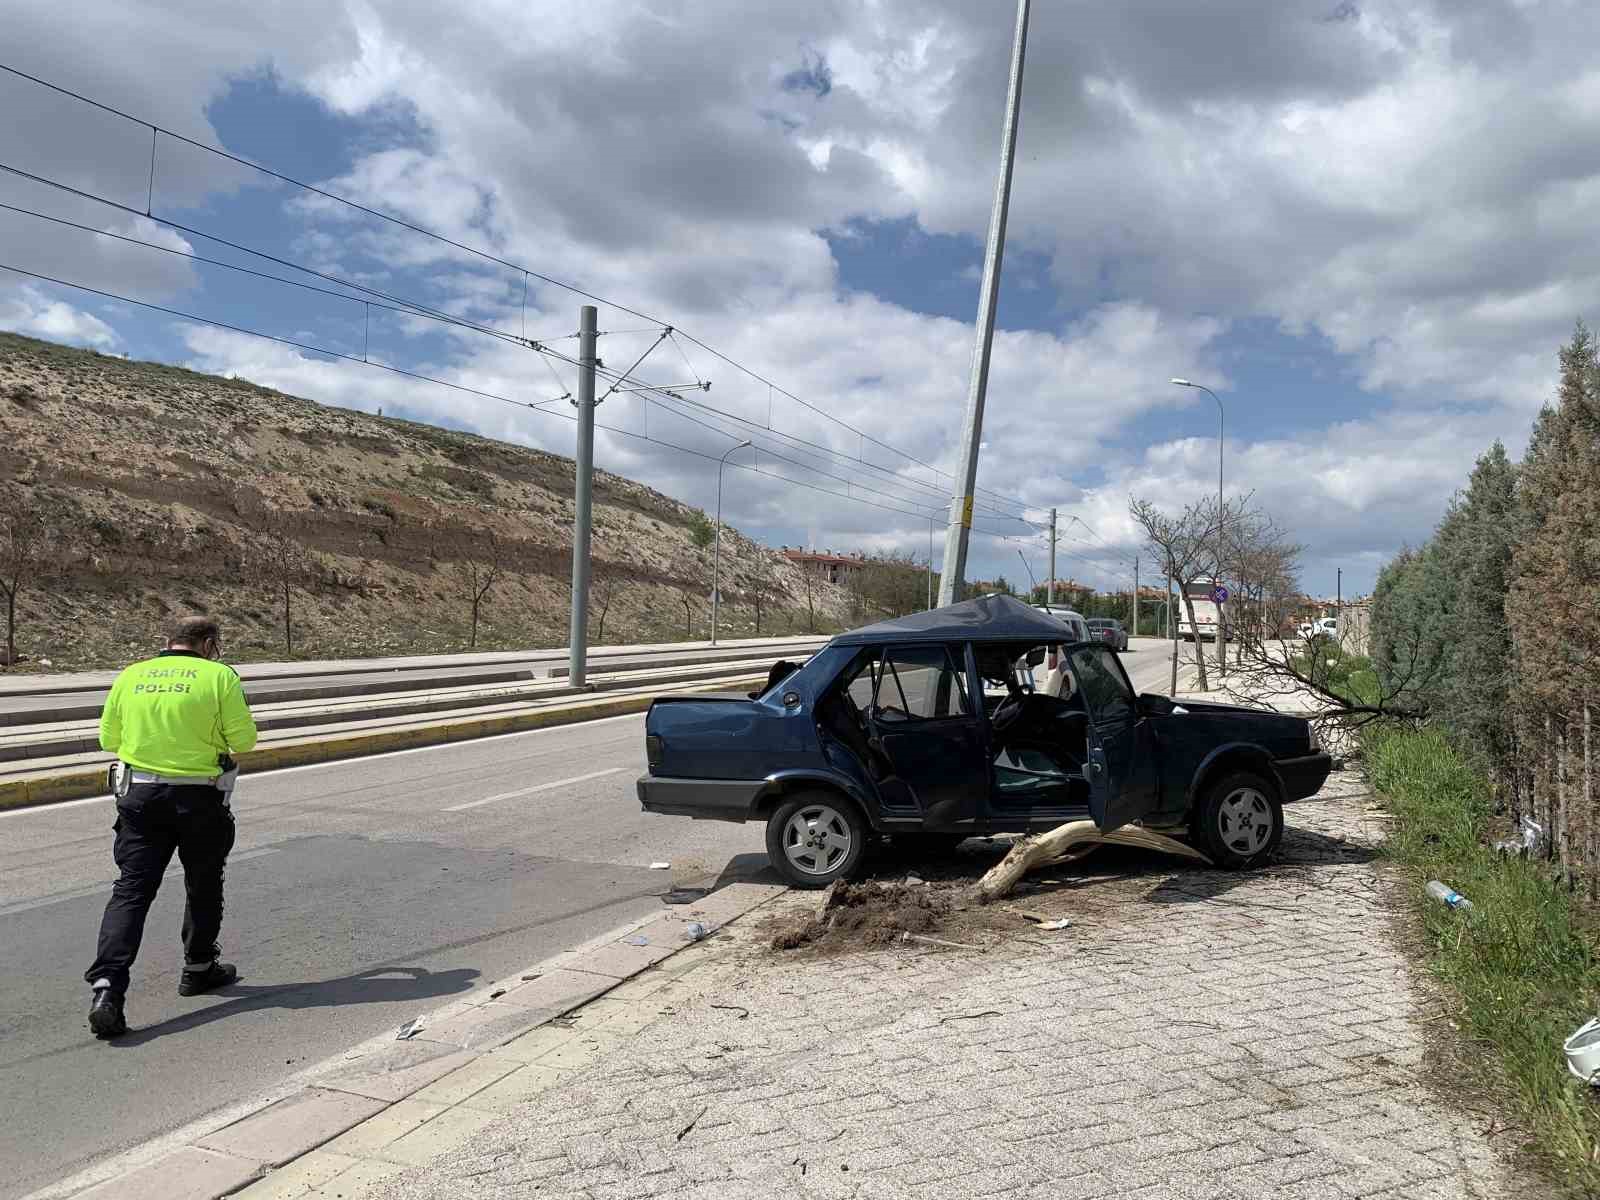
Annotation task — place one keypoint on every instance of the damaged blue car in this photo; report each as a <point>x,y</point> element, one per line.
<point>933,728</point>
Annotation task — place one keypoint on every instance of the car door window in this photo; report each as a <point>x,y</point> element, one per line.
<point>919,683</point>
<point>1105,689</point>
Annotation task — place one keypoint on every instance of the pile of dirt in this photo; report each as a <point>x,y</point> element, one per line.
<point>852,916</point>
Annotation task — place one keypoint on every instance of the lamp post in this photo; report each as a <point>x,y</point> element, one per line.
<point>1222,652</point>
<point>716,554</point>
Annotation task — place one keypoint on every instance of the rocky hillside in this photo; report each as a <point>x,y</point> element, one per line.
<point>161,489</point>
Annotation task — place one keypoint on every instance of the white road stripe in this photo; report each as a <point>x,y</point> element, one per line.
<point>529,791</point>
<point>348,762</point>
<point>102,888</point>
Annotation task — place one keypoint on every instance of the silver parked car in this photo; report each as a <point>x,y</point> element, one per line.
<point>1074,619</point>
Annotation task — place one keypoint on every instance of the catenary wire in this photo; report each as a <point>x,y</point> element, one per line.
<point>158,130</point>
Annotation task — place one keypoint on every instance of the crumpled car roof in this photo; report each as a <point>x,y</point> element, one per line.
<point>985,619</point>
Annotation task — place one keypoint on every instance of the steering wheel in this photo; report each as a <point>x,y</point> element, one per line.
<point>1006,713</point>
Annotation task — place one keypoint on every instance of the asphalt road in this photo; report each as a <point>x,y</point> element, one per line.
<point>360,894</point>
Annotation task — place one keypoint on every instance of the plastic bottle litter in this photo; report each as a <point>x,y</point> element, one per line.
<point>694,931</point>
<point>1448,896</point>
<point>409,1030</point>
<point>661,866</point>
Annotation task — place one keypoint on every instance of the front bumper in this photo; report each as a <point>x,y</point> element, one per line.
<point>1305,776</point>
<point>702,799</point>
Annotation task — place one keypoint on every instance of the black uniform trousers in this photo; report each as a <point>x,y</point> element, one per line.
<point>153,821</point>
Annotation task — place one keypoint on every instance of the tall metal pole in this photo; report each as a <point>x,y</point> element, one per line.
<point>930,562</point>
<point>960,530</point>
<point>582,514</point>
<point>716,555</point>
<point>1050,584</point>
<point>1135,632</point>
<point>1222,645</point>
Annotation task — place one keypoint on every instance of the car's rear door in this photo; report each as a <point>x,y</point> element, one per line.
<point>925,722</point>
<point>1123,767</point>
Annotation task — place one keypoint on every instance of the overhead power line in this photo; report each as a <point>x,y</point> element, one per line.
<point>537,407</point>
<point>158,131</point>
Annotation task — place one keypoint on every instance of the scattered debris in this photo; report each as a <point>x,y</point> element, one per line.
<point>695,931</point>
<point>530,978</point>
<point>684,1132</point>
<point>914,881</point>
<point>1028,914</point>
<point>739,1008</point>
<point>1059,923</point>
<point>1528,841</point>
<point>1448,896</point>
<point>933,941</point>
<point>683,895</point>
<point>497,993</point>
<point>1583,1052</point>
<point>661,866</point>
<point>410,1029</point>
<point>988,1012</point>
<point>637,939</point>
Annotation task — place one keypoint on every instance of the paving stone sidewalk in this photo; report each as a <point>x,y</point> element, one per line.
<point>1194,1034</point>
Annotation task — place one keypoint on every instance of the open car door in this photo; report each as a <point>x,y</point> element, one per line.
<point>1124,777</point>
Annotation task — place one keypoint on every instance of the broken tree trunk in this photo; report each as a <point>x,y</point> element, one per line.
<point>1065,843</point>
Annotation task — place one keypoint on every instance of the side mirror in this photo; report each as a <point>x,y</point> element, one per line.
<point>1035,657</point>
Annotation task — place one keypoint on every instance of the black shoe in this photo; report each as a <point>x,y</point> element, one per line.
<point>105,1014</point>
<point>197,980</point>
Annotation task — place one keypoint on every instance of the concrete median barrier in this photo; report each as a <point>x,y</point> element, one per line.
<point>79,783</point>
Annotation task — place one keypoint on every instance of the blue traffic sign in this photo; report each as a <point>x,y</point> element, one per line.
<point>1220,595</point>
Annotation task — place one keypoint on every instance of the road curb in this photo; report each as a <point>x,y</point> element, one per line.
<point>355,1119</point>
<point>82,783</point>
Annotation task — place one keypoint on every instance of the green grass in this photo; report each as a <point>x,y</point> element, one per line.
<point>1522,965</point>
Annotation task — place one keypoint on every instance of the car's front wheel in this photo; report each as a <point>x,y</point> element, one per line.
<point>815,838</point>
<point>1239,821</point>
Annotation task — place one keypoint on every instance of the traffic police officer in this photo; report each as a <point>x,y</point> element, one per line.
<point>173,721</point>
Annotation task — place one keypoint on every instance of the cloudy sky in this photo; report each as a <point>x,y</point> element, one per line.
<point>1366,225</point>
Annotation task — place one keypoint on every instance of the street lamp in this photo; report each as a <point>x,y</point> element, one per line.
<point>716,555</point>
<point>1221,652</point>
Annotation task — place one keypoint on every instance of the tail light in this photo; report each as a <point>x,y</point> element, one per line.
<point>652,750</point>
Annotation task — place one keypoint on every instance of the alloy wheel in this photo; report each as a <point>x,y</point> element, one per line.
<point>1244,821</point>
<point>816,839</point>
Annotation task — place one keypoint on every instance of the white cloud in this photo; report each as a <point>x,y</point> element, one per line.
<point>26,310</point>
<point>1414,184</point>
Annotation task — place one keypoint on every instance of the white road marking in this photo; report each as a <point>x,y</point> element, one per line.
<point>346,762</point>
<point>529,791</point>
<point>102,888</point>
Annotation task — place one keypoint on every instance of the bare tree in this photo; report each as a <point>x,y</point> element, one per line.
<point>687,596</point>
<point>278,564</point>
<point>757,596</point>
<point>22,536</point>
<point>808,588</point>
<point>1184,546</point>
<point>480,575</point>
<point>602,590</point>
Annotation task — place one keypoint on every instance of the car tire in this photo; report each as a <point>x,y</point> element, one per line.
<point>1239,821</point>
<point>815,838</point>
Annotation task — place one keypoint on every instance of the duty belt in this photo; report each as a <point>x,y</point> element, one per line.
<point>138,776</point>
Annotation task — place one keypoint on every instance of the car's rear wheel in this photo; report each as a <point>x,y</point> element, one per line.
<point>1239,821</point>
<point>815,838</point>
